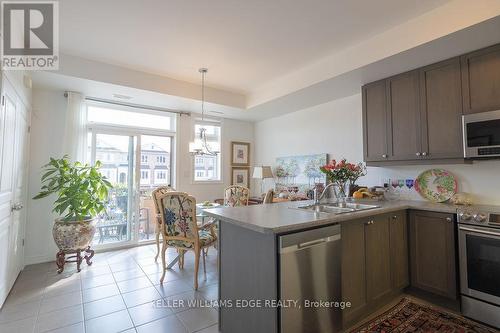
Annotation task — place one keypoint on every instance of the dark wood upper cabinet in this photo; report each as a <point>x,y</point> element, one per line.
<point>432,253</point>
<point>375,124</point>
<point>481,80</point>
<point>441,110</point>
<point>420,120</point>
<point>403,107</point>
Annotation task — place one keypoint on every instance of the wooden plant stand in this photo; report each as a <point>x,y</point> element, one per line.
<point>76,256</point>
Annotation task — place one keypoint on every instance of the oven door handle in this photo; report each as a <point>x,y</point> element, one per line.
<point>486,232</point>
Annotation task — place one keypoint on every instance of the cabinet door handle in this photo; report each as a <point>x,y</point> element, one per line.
<point>395,217</point>
<point>448,219</point>
<point>369,222</point>
<point>418,154</point>
<point>424,153</point>
<point>384,155</point>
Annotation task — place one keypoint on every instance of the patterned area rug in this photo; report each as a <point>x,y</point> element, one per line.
<point>409,316</point>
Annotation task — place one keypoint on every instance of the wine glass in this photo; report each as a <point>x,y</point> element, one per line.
<point>401,184</point>
<point>409,184</point>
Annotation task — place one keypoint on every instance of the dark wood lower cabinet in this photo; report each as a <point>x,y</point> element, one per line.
<point>374,262</point>
<point>378,258</point>
<point>432,253</point>
<point>353,269</point>
<point>399,250</point>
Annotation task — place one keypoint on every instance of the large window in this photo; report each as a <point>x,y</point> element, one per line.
<point>114,116</point>
<point>135,147</point>
<point>208,168</point>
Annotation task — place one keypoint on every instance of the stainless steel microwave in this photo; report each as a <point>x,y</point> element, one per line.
<point>482,135</point>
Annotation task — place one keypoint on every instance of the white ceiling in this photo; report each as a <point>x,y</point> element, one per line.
<point>243,43</point>
<point>108,91</point>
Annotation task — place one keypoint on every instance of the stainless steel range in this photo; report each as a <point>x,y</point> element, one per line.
<point>479,247</point>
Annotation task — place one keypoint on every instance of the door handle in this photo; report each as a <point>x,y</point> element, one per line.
<point>311,243</point>
<point>16,206</point>
<point>485,232</point>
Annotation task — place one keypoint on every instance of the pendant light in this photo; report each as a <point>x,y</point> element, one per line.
<point>201,147</point>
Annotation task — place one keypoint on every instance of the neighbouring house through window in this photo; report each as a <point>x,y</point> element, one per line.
<point>208,168</point>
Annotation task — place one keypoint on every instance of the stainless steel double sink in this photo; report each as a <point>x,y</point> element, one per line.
<point>337,208</point>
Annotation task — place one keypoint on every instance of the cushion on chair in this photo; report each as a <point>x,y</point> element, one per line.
<point>206,238</point>
<point>236,195</point>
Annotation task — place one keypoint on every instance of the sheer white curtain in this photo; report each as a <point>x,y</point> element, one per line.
<point>75,133</point>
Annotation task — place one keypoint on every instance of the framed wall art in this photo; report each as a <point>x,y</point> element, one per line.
<point>240,153</point>
<point>241,176</point>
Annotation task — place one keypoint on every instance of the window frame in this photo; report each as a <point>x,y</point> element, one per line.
<point>105,128</point>
<point>220,157</point>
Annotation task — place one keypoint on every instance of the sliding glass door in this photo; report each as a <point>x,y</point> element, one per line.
<point>117,154</point>
<point>135,163</point>
<point>155,171</point>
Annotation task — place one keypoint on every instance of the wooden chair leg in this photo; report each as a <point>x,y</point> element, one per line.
<point>197,254</point>
<point>157,246</point>
<point>204,266</point>
<point>163,261</point>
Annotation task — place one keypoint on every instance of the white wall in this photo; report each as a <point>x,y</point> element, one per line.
<point>336,128</point>
<point>48,122</point>
<point>47,130</point>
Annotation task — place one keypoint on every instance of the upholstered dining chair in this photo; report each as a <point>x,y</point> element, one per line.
<point>181,231</point>
<point>268,198</point>
<point>157,193</point>
<point>236,195</point>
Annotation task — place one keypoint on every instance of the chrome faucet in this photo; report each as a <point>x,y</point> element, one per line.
<point>318,198</point>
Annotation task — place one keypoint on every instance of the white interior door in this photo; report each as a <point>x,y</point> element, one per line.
<point>7,128</point>
<point>20,177</point>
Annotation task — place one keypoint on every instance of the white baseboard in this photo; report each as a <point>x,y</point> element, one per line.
<point>38,259</point>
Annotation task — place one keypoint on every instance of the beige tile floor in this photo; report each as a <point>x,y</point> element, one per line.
<point>116,294</point>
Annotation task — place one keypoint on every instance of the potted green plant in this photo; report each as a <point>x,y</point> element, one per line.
<point>81,194</point>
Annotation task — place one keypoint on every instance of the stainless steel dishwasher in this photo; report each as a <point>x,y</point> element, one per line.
<point>310,272</point>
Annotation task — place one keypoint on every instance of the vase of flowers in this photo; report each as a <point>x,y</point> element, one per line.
<point>343,174</point>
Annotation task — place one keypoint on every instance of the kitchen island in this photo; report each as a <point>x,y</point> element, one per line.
<point>372,265</point>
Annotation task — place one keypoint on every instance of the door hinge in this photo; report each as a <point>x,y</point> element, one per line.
<point>23,241</point>
<point>3,100</point>
<point>29,129</point>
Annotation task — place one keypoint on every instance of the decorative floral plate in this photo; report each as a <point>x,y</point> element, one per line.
<point>437,185</point>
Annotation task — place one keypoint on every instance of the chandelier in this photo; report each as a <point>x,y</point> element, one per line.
<point>201,147</point>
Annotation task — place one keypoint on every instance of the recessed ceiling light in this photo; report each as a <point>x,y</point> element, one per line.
<point>119,96</point>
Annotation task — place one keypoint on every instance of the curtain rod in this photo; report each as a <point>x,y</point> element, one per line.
<point>138,106</point>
